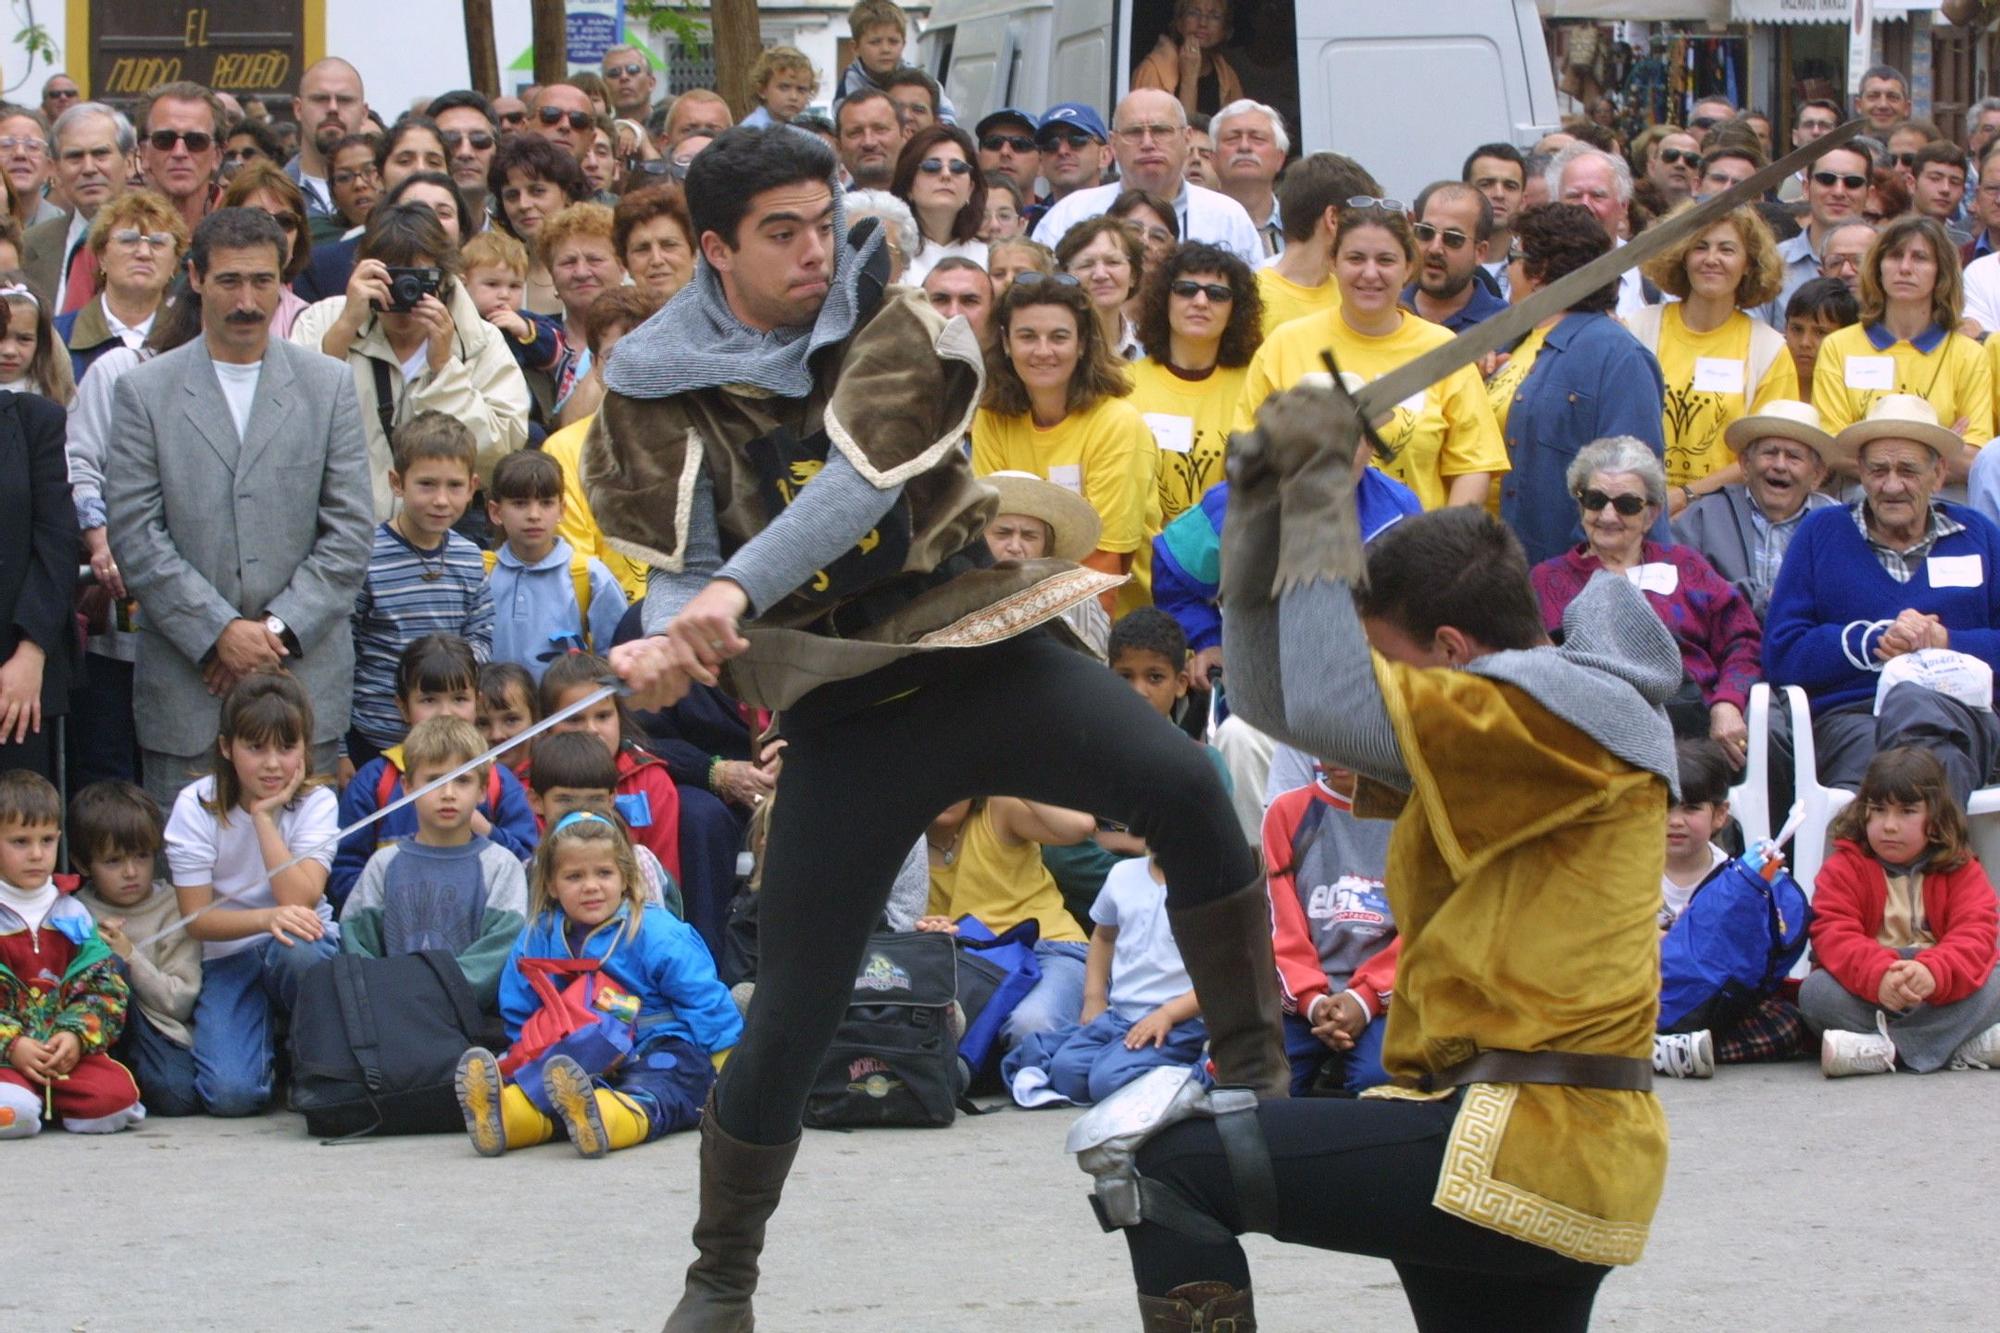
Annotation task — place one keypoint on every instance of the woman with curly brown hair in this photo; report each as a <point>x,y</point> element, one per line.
<point>1718,362</point>
<point>1107,255</point>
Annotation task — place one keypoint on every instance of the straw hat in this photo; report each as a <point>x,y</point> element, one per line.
<point>1073,522</point>
<point>1895,416</point>
<point>1786,418</point>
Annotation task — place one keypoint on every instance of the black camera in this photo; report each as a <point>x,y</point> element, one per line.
<point>407,286</point>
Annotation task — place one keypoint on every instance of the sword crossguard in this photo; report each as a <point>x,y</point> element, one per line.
<point>1381,446</point>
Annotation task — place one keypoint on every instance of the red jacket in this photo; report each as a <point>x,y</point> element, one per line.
<point>1300,976</point>
<point>640,774</point>
<point>1848,899</point>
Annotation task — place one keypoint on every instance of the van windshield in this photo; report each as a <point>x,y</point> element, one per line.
<point>1240,48</point>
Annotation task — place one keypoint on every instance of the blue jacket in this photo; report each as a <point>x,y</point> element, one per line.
<point>327,272</point>
<point>1591,379</point>
<point>512,819</point>
<point>666,966</point>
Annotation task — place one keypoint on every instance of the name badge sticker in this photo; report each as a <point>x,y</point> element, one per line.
<point>1871,372</point>
<point>1716,374</point>
<point>1955,571</point>
<point>1069,476</point>
<point>1175,434</point>
<point>1658,577</point>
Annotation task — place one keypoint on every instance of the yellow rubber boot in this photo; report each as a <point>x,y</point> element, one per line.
<point>625,1125</point>
<point>497,1117</point>
<point>598,1120</point>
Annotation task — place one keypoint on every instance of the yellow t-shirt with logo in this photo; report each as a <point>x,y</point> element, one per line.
<point>1955,377</point>
<point>1190,424</point>
<point>1444,432</point>
<point>1707,389</point>
<point>1500,392</point>
<point>1285,300</point>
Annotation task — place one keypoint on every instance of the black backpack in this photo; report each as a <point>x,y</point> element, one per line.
<point>375,1042</point>
<point>894,1060</point>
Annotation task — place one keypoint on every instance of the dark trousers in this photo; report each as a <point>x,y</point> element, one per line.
<point>36,753</point>
<point>710,838</point>
<point>103,740</point>
<point>1358,1176</point>
<point>872,761</point>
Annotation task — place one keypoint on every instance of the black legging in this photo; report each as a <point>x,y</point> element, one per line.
<point>1358,1176</point>
<point>871,761</point>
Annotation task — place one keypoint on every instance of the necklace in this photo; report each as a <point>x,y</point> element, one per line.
<point>431,569</point>
<point>947,854</point>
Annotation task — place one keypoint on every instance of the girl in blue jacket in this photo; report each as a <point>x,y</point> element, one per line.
<point>587,901</point>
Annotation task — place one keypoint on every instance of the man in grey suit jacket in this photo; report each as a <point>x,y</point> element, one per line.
<point>239,508</point>
<point>94,156</point>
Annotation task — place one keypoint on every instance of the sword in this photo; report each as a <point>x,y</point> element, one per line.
<point>1512,324</point>
<point>338,836</point>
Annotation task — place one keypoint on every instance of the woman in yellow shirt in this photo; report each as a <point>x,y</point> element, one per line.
<point>1447,445</point>
<point>1055,407</point>
<point>1912,294</point>
<point>1719,363</point>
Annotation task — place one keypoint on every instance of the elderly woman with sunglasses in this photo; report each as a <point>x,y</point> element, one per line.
<point>937,175</point>
<point>1620,489</point>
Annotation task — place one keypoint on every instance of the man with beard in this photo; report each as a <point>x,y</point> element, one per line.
<point>330,104</point>
<point>1454,225</point>
<point>465,124</point>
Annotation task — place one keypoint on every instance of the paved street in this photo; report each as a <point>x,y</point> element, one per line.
<point>1793,1204</point>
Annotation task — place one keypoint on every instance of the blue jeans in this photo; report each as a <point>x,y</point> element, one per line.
<point>165,1071</point>
<point>1358,1069</point>
<point>1057,998</point>
<point>1094,1063</point>
<point>233,1030</point>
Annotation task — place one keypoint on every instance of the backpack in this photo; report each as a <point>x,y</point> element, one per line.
<point>1738,939</point>
<point>995,973</point>
<point>579,577</point>
<point>894,1059</point>
<point>375,1042</point>
<point>385,786</point>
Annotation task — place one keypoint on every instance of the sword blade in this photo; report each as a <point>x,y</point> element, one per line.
<point>1512,324</point>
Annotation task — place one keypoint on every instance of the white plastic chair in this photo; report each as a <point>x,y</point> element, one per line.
<point>1750,800</point>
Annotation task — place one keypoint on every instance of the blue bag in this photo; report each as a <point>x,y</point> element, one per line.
<point>995,973</point>
<point>1738,939</point>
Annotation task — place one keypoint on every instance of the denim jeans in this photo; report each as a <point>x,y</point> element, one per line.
<point>165,1071</point>
<point>1355,1069</point>
<point>241,994</point>
<point>1094,1063</point>
<point>1057,998</point>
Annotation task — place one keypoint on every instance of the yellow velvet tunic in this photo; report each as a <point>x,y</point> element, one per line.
<point>1524,871</point>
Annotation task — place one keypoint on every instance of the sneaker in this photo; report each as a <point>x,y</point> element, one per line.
<point>1684,1054</point>
<point>574,1097</point>
<point>1845,1053</point>
<point>1980,1052</point>
<point>477,1082</point>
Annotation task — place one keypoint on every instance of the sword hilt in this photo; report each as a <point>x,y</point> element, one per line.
<point>1380,445</point>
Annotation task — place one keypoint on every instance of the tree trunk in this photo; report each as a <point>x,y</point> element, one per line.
<point>480,55</point>
<point>551,39</point>
<point>736,45</point>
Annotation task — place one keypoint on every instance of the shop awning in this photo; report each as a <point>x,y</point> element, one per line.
<point>1820,11</point>
<point>1642,11</point>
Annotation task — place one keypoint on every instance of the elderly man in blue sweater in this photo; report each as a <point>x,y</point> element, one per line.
<point>1898,572</point>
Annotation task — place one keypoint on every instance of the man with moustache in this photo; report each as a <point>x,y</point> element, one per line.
<point>1454,225</point>
<point>1250,150</point>
<point>331,103</point>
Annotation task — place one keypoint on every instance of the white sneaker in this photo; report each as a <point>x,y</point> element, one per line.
<point>1980,1052</point>
<point>1684,1054</point>
<point>1845,1053</point>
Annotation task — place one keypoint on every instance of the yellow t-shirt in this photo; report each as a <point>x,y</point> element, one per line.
<point>1694,416</point>
<point>1001,885</point>
<point>1444,432</point>
<point>1955,377</point>
<point>1285,300</point>
<point>1190,424</point>
<point>579,525</point>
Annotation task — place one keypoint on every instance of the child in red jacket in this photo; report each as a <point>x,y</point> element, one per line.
<point>1903,931</point>
<point>646,796</point>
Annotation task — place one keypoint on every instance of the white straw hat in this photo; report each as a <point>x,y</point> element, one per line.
<point>1895,416</point>
<point>1074,525</point>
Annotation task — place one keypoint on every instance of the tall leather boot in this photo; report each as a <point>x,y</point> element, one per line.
<point>1226,945</point>
<point>740,1185</point>
<point>1199,1307</point>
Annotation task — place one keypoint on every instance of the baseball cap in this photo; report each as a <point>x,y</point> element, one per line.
<point>1081,115</point>
<point>1002,117</point>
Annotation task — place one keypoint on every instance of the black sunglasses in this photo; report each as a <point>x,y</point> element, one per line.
<point>629,71</point>
<point>1829,179</point>
<point>1020,143</point>
<point>1219,293</point>
<point>553,115</point>
<point>512,117</point>
<point>1903,159</point>
<point>1068,138</point>
<point>1672,155</point>
<point>1454,239</point>
<point>1702,123</point>
<point>479,139</point>
<point>163,141</point>
<point>1628,505</point>
<point>932,166</point>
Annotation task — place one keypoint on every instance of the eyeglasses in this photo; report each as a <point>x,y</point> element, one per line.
<point>1030,277</point>
<point>479,139</point>
<point>1671,156</point>
<point>1627,505</point>
<point>1903,159</point>
<point>33,147</point>
<point>60,95</point>
<point>1516,255</point>
<point>1020,143</point>
<point>1219,293</point>
<point>238,155</point>
<point>1075,139</point>
<point>132,238</point>
<point>1826,180</point>
<point>349,177</point>
<point>553,116</point>
<point>1454,239</point>
<point>1140,133</point>
<point>931,166</point>
<point>288,221</point>
<point>1363,201</point>
<point>1205,15</point>
<point>1702,123</point>
<point>513,118</point>
<point>163,141</point>
<point>627,71</point>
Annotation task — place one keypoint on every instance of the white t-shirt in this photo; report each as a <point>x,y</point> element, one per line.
<point>1676,897</point>
<point>1146,967</point>
<point>239,386</point>
<point>203,850</point>
<point>416,363</point>
<point>133,335</point>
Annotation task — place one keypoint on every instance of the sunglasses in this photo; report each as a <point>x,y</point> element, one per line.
<point>513,118</point>
<point>1627,505</point>
<point>163,141</point>
<point>1671,156</point>
<point>479,139</point>
<point>1020,143</point>
<point>233,155</point>
<point>1703,123</point>
<point>1217,292</point>
<point>1828,179</point>
<point>1067,138</point>
<point>1903,159</point>
<point>932,166</point>
<point>1454,239</point>
<point>1032,276</point>
<point>1363,201</point>
<point>554,115</point>
<point>631,71</point>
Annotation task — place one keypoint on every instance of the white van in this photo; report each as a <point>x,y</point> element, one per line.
<point>1406,89</point>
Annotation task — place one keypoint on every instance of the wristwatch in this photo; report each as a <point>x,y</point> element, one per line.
<point>276,626</point>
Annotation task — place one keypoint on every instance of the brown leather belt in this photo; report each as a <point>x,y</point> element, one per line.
<point>1616,1072</point>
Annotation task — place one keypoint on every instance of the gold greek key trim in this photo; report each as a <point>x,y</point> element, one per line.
<point>1024,610</point>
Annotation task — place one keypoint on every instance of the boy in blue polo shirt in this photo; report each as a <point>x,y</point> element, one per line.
<point>548,599</point>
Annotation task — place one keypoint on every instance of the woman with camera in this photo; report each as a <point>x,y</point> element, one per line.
<point>415,342</point>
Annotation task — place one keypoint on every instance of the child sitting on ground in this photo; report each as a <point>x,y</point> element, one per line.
<point>589,903</point>
<point>508,705</point>
<point>115,835</point>
<point>1332,932</point>
<point>570,772</point>
<point>496,278</point>
<point>1903,931</point>
<point>62,1000</point>
<point>785,83</point>
<point>647,797</point>
<point>448,887</point>
<point>547,598</point>
<point>438,677</point>
<point>423,578</point>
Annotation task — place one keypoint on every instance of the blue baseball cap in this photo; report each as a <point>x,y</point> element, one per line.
<point>1002,117</point>
<point>1080,115</point>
